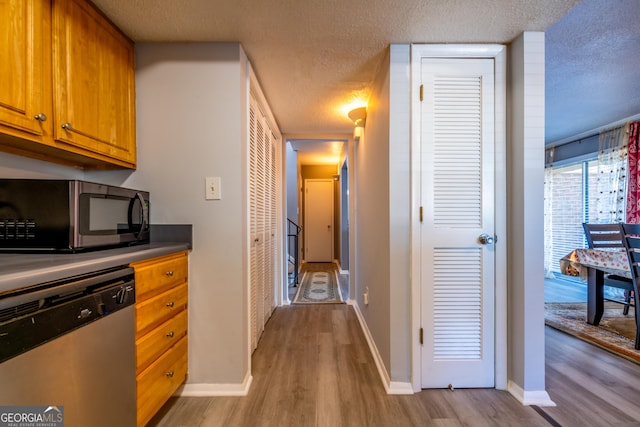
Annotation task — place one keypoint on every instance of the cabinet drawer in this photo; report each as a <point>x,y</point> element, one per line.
<point>158,382</point>
<point>156,342</point>
<point>158,274</point>
<point>160,308</point>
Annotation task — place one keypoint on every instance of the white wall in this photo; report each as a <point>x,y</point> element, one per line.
<point>191,112</point>
<point>399,213</point>
<point>525,205</point>
<point>372,217</point>
<point>382,215</point>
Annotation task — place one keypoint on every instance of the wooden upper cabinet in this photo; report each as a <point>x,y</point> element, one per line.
<point>62,63</point>
<point>25,80</point>
<point>93,75</point>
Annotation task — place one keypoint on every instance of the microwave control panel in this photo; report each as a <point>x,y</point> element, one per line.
<point>17,229</point>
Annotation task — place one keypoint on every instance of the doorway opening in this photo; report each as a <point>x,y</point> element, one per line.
<point>317,205</point>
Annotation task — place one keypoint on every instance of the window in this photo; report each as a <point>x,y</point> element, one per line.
<point>566,208</point>
<point>571,195</point>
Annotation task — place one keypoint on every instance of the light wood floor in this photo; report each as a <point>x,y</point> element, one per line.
<point>590,386</point>
<point>313,368</point>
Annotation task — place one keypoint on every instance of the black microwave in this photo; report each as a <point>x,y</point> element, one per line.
<point>70,215</point>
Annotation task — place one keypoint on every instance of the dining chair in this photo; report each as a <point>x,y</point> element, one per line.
<point>606,236</point>
<point>631,241</point>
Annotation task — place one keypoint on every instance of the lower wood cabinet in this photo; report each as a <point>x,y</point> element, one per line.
<point>161,331</point>
<point>154,344</point>
<point>158,382</point>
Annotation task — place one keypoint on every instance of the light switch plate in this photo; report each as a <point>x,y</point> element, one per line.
<point>213,189</point>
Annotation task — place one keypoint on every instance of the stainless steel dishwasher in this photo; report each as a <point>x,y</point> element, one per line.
<point>70,344</point>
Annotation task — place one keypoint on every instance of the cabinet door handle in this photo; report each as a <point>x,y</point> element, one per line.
<point>170,334</point>
<point>169,374</point>
<point>41,117</point>
<point>170,304</point>
<point>169,274</point>
<point>67,126</point>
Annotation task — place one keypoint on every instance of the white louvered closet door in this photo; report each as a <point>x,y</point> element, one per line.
<point>263,196</point>
<point>457,196</point>
<point>271,220</point>
<point>253,222</point>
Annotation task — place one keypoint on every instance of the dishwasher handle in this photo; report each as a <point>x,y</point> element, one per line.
<point>65,288</point>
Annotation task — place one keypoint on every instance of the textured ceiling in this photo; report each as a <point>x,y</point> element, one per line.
<point>592,68</point>
<point>313,58</point>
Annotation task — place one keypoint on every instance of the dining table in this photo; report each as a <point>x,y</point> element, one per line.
<point>592,265</point>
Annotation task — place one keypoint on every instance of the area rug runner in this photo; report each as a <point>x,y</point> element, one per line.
<point>616,332</point>
<point>318,287</point>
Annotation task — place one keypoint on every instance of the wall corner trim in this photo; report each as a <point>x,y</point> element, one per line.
<point>212,390</point>
<point>400,388</point>
<point>534,397</point>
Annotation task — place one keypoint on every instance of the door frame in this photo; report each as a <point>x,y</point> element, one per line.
<point>498,53</point>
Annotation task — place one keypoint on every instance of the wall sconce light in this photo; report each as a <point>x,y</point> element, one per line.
<point>358,116</point>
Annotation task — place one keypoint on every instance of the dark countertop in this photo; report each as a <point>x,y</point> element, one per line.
<point>23,270</point>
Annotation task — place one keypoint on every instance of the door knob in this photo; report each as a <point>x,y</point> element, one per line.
<point>486,239</point>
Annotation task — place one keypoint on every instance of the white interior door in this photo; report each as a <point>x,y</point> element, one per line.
<point>263,219</point>
<point>458,201</point>
<point>318,220</point>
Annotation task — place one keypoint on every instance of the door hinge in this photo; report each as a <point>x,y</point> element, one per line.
<point>421,336</point>
<point>421,92</point>
<point>420,213</point>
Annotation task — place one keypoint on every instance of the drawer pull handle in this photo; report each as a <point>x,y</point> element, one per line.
<point>170,304</point>
<point>170,334</point>
<point>169,374</point>
<point>40,117</point>
<point>169,273</point>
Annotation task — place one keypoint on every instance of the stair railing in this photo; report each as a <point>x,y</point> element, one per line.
<point>293,235</point>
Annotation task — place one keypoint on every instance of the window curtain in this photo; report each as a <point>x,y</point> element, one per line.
<point>611,183</point>
<point>633,194</point>
<point>548,220</point>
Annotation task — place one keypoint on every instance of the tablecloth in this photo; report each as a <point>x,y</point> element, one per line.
<point>610,261</point>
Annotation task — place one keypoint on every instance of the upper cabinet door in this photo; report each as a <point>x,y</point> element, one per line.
<point>93,74</point>
<point>25,101</point>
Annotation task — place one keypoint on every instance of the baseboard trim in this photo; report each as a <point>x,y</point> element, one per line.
<point>535,397</point>
<point>391,387</point>
<point>213,390</point>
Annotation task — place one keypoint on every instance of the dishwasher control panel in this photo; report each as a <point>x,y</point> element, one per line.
<point>39,314</point>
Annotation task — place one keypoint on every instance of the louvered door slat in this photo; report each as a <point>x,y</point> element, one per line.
<point>260,223</point>
<point>457,147</point>
<point>253,319</point>
<point>457,313</point>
